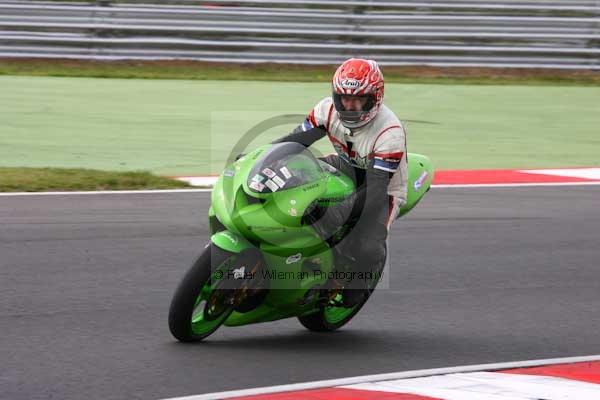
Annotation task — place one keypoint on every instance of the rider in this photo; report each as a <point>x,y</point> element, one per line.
<point>370,142</point>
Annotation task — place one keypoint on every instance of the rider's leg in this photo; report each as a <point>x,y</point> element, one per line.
<point>366,242</point>
<point>368,250</point>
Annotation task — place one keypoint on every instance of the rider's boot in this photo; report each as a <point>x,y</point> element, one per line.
<point>353,297</point>
<point>357,290</point>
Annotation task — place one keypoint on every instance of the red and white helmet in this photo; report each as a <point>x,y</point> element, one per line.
<point>358,77</point>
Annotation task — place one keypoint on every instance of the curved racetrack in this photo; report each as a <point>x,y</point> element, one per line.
<point>477,276</point>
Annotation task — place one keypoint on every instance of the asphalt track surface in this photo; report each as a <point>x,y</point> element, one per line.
<point>477,276</point>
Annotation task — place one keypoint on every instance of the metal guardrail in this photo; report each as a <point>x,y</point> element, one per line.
<point>505,33</point>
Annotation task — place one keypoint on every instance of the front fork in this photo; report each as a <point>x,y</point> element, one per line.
<point>243,282</point>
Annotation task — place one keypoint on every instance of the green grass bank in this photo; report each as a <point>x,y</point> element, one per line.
<point>180,127</point>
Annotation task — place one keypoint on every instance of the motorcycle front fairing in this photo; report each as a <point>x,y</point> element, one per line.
<point>259,201</point>
<point>265,194</point>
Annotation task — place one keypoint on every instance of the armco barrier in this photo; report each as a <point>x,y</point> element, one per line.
<point>502,33</point>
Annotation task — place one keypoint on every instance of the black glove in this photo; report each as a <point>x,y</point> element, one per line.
<point>327,220</point>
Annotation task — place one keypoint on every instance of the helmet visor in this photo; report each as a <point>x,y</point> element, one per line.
<point>351,108</point>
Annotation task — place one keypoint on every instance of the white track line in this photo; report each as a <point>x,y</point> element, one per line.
<point>8,194</point>
<point>383,377</point>
<point>461,186</point>
<point>510,185</point>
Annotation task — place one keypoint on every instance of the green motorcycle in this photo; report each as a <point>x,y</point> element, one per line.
<point>263,263</point>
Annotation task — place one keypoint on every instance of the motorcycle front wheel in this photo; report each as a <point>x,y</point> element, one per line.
<point>197,309</point>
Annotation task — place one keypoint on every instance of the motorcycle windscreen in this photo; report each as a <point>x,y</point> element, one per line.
<point>285,166</point>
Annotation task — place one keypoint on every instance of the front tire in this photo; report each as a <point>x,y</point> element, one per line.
<point>189,317</point>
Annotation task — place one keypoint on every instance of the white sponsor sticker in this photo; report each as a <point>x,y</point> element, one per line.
<point>258,178</point>
<point>239,273</point>
<point>419,182</point>
<point>285,172</point>
<point>293,212</point>
<point>293,259</point>
<point>272,185</point>
<point>278,181</point>
<point>257,186</point>
<point>350,84</point>
<point>268,172</point>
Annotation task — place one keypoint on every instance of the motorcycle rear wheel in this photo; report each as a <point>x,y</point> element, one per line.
<point>330,318</point>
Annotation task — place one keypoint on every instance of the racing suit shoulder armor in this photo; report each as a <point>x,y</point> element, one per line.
<point>321,113</point>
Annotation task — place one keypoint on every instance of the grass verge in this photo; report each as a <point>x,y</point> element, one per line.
<point>188,128</point>
<point>284,72</point>
<point>76,179</point>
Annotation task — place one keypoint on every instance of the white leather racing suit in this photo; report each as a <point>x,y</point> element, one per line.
<point>382,140</point>
<point>378,148</point>
<point>374,156</point>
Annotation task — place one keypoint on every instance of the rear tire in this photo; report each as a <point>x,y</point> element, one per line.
<point>328,319</point>
<point>191,293</point>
